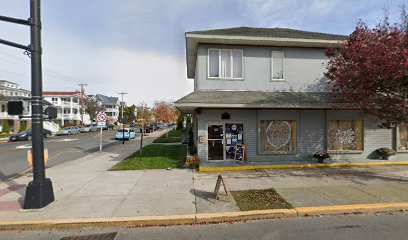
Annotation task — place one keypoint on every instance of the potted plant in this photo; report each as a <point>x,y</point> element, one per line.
<point>385,153</point>
<point>321,156</point>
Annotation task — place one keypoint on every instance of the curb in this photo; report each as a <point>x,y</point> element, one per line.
<point>202,218</point>
<point>309,165</point>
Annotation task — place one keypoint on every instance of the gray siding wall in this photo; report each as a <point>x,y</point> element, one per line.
<point>311,133</point>
<point>303,70</point>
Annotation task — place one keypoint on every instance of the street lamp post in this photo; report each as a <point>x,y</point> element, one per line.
<point>39,192</point>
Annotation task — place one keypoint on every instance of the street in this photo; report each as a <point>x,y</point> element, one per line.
<point>13,155</point>
<point>365,226</point>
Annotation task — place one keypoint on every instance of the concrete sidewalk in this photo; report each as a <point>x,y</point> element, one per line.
<point>84,189</point>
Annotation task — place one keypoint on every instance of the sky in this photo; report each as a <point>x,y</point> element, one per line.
<point>138,46</point>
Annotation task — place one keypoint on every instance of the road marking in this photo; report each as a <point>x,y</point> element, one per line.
<point>23,146</point>
<point>64,140</point>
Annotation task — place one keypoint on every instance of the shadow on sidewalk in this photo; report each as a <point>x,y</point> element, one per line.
<point>346,173</point>
<point>208,196</point>
<point>13,187</point>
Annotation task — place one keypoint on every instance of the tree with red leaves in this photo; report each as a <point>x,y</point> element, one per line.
<point>163,111</point>
<point>370,70</point>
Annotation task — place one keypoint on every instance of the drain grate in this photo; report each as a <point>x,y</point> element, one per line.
<point>103,236</point>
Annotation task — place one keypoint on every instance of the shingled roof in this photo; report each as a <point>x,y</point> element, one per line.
<point>270,32</point>
<point>257,99</point>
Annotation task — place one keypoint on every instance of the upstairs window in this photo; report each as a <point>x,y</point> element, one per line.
<point>277,65</point>
<point>225,64</point>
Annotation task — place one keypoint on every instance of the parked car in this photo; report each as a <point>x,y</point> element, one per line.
<point>125,133</point>
<point>110,126</point>
<point>85,129</point>
<point>69,130</point>
<point>94,128</point>
<point>27,135</point>
<point>162,125</point>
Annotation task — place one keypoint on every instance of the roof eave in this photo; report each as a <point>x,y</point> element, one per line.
<point>192,41</point>
<point>190,107</point>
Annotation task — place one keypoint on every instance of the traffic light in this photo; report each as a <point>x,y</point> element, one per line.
<point>51,112</point>
<point>15,108</point>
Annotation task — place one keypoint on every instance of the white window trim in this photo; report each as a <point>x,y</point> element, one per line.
<point>231,62</point>
<point>283,67</point>
<point>397,135</point>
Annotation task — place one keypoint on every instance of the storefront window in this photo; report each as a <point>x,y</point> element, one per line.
<point>278,136</point>
<point>403,136</point>
<point>345,135</point>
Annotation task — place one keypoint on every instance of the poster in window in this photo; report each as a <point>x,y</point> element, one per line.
<point>240,152</point>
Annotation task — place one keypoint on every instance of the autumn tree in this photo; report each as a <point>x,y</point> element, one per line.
<point>92,107</point>
<point>163,111</point>
<point>370,70</point>
<point>143,112</point>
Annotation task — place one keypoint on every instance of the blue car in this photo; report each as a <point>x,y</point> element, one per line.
<point>125,133</point>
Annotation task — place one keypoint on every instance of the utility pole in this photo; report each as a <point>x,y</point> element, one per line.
<point>39,192</point>
<point>82,102</point>
<point>123,124</point>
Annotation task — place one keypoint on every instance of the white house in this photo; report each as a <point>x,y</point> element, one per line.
<point>69,107</point>
<point>10,91</point>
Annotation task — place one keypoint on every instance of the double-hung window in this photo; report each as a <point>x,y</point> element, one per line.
<point>225,63</point>
<point>277,65</point>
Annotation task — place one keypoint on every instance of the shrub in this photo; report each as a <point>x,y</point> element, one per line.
<point>193,162</point>
<point>385,152</point>
<point>6,127</point>
<point>23,126</point>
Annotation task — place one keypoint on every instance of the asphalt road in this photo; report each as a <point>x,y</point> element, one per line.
<point>13,155</point>
<point>362,227</point>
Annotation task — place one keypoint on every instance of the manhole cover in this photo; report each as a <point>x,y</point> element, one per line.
<point>103,236</point>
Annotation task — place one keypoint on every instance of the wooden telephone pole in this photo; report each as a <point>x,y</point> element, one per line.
<point>82,102</point>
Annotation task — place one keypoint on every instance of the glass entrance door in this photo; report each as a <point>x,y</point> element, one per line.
<point>215,142</point>
<point>234,134</point>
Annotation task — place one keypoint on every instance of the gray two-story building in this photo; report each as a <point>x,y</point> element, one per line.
<point>265,88</point>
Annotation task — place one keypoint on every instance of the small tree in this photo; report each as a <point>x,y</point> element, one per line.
<point>370,70</point>
<point>92,107</point>
<point>163,111</point>
<point>6,127</point>
<point>179,123</point>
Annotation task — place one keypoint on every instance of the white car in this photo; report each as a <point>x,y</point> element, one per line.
<point>69,130</point>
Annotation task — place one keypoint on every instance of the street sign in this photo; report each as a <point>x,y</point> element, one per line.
<point>101,117</point>
<point>101,124</point>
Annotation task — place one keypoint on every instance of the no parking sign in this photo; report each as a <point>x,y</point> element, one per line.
<point>101,118</point>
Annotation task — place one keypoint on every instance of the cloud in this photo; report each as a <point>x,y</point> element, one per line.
<point>335,16</point>
<point>145,75</point>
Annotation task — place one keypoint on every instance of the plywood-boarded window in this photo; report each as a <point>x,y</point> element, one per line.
<point>278,136</point>
<point>346,135</point>
<point>403,136</point>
